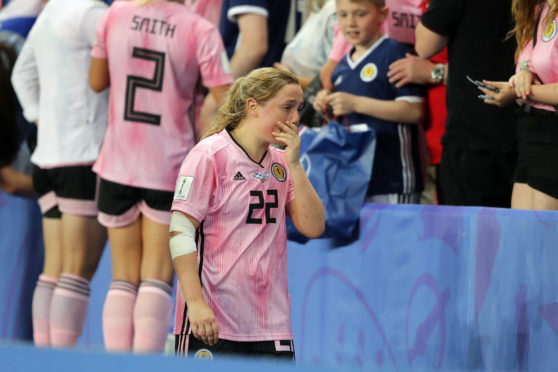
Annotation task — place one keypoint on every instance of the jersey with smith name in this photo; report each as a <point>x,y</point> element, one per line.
<point>156,53</point>
<point>242,240</point>
<point>396,166</point>
<point>403,18</point>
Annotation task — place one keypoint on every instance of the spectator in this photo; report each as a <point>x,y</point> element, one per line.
<point>364,94</point>
<point>433,74</point>
<point>478,147</point>
<point>535,82</point>
<point>308,51</point>
<point>254,34</point>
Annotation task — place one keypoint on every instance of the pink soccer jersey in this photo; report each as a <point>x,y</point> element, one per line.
<point>156,54</point>
<point>543,58</point>
<point>208,9</point>
<point>403,17</point>
<point>242,246</point>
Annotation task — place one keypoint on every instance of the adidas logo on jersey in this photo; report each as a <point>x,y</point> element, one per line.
<point>239,177</point>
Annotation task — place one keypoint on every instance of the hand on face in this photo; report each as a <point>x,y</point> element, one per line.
<point>287,133</point>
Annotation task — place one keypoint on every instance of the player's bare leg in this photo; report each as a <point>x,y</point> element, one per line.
<point>153,311</point>
<point>84,241</point>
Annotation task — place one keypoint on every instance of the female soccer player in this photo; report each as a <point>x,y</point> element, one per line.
<point>72,120</point>
<point>236,189</point>
<point>536,82</point>
<point>151,53</point>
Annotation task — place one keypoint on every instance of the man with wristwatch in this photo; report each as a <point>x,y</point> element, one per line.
<point>478,147</point>
<point>438,73</point>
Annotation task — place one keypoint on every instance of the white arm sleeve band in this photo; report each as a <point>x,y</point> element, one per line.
<point>184,242</point>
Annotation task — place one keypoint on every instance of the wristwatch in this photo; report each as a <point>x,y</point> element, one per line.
<point>437,73</point>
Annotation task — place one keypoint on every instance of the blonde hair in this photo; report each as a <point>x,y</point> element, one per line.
<point>380,4</point>
<point>525,13</point>
<point>262,85</point>
<point>314,5</point>
<point>144,2</point>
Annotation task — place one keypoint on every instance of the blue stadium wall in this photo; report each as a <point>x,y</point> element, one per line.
<point>423,288</point>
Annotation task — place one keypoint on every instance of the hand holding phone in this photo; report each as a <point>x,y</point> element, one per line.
<point>483,85</point>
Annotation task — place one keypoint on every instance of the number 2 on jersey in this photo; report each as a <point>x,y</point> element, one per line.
<point>134,82</point>
<point>260,205</point>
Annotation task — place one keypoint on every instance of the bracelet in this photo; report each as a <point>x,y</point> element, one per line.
<point>524,65</point>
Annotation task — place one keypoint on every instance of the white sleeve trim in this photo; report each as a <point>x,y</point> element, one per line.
<point>235,11</point>
<point>411,99</point>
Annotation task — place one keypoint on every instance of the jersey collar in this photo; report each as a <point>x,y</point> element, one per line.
<point>354,64</point>
<point>229,134</point>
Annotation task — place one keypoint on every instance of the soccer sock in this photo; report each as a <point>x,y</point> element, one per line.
<point>152,316</point>
<point>118,325</point>
<point>42,297</point>
<point>68,310</point>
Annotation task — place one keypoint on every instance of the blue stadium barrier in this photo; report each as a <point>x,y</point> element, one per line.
<point>423,288</point>
<point>27,358</point>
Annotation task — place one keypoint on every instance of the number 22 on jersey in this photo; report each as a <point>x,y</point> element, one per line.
<point>261,204</point>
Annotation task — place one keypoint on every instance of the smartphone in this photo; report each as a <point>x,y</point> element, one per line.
<point>483,85</point>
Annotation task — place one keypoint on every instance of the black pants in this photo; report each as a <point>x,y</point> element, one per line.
<point>475,178</point>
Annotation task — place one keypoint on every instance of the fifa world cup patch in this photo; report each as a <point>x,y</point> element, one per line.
<point>550,31</point>
<point>369,72</point>
<point>203,354</point>
<point>278,172</point>
<point>183,184</point>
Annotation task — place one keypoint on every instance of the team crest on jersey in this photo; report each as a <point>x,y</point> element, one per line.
<point>261,176</point>
<point>369,72</point>
<point>203,354</point>
<point>278,172</point>
<point>550,31</point>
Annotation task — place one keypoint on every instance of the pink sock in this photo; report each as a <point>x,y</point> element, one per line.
<point>68,310</point>
<point>42,297</point>
<point>118,325</point>
<point>152,316</point>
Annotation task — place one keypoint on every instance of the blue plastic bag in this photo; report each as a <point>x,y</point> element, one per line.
<point>338,161</point>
